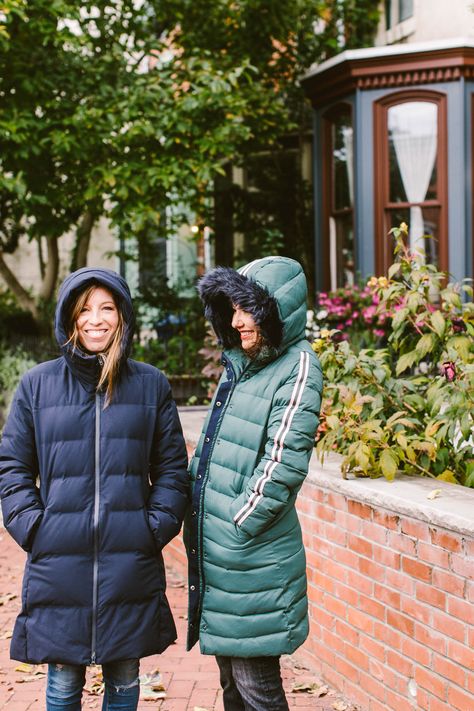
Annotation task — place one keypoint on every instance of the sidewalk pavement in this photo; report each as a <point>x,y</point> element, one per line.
<point>173,681</point>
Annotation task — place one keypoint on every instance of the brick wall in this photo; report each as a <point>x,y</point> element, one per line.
<point>392,601</point>
<point>391,590</point>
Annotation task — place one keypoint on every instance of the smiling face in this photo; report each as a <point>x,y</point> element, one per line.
<point>243,322</point>
<point>97,321</point>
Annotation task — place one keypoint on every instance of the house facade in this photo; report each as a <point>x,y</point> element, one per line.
<point>393,142</point>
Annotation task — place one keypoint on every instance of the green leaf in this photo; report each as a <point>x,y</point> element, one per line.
<point>438,322</point>
<point>448,475</point>
<point>389,463</point>
<point>406,361</point>
<point>425,344</point>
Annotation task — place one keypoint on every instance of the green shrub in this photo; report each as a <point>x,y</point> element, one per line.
<point>13,363</point>
<point>407,407</point>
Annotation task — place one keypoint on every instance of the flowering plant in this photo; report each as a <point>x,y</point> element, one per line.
<point>407,407</point>
<point>354,311</point>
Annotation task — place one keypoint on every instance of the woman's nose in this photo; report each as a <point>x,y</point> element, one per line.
<point>95,316</point>
<point>236,320</point>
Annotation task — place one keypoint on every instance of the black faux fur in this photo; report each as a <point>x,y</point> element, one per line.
<point>222,287</point>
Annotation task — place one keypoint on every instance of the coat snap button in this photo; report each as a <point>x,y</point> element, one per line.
<point>207,439</point>
<point>192,587</point>
<point>218,403</point>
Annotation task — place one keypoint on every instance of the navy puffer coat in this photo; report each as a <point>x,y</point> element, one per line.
<point>93,494</point>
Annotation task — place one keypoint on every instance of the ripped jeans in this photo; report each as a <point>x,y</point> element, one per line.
<point>121,682</point>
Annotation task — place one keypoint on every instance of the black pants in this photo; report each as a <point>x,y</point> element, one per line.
<point>252,684</point>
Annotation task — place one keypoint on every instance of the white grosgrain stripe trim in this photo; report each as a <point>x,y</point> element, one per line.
<point>244,270</point>
<point>279,441</point>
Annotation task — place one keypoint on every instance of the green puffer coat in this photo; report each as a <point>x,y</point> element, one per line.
<point>246,557</point>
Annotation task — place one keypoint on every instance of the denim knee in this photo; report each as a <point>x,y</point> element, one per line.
<point>64,687</point>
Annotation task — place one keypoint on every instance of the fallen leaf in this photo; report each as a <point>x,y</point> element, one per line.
<point>151,686</point>
<point>24,668</point>
<point>312,688</point>
<point>340,706</point>
<point>434,494</point>
<point>200,708</point>
<point>6,598</point>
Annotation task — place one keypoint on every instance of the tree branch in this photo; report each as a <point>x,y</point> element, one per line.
<point>24,299</point>
<point>51,271</point>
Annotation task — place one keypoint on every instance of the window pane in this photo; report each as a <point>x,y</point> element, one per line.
<point>388,14</point>
<point>342,155</point>
<point>430,226</point>
<point>405,9</point>
<point>341,251</point>
<point>413,144</point>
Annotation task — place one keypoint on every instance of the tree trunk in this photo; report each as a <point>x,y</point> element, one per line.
<point>51,271</point>
<point>25,301</point>
<point>83,238</point>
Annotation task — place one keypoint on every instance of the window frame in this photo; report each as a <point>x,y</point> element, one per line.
<point>328,183</point>
<point>383,255</point>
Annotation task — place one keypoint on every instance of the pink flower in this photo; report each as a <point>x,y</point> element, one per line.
<point>448,369</point>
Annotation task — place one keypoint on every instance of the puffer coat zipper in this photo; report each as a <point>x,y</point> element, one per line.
<point>95,526</point>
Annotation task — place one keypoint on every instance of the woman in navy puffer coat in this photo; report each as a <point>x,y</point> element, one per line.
<point>93,484</point>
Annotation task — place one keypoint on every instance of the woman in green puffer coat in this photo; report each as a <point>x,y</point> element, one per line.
<point>247,567</point>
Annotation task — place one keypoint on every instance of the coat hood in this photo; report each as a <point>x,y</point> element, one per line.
<point>85,365</point>
<point>272,289</point>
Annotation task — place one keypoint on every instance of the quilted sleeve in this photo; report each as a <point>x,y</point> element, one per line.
<point>168,472</point>
<point>21,503</point>
<point>289,443</point>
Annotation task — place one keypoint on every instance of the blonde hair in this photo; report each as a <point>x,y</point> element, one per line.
<point>112,355</point>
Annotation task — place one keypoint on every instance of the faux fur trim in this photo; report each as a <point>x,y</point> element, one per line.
<point>223,286</point>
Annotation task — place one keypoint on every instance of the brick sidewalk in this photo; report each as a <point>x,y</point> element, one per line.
<point>189,680</point>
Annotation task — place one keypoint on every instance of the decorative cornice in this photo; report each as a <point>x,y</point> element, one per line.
<point>324,86</point>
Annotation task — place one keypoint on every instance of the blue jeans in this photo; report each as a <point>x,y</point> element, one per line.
<point>66,681</point>
<point>252,684</point>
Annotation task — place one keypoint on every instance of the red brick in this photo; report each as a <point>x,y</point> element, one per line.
<point>325,513</point>
<point>359,509</point>
<point>462,566</point>
<point>335,606</point>
<point>437,705</point>
<point>346,632</point>
<point>387,596</point>
<point>448,541</point>
<point>335,534</point>
<point>356,657</point>
<point>360,620</point>
<point>416,569</point>
<point>346,593</point>
<point>346,557</point>
<point>333,642</point>
<point>433,555</point>
<point>386,557</point>
<point>416,651</point>
<point>444,667</point>
<point>415,609</point>
<point>396,702</point>
<point>372,686</point>
<point>462,610</point>
<point>335,570</point>
<point>400,663</point>
<point>390,521</point>
<point>400,622</point>
<point>423,700</point>
<point>461,654</point>
<point>383,674</point>
<point>431,682</point>
<point>427,637</point>
<point>460,700</point>
<point>430,595</point>
<point>450,583</point>
<point>371,569</point>
<point>336,501</point>
<point>400,581</point>
<point>346,669</point>
<point>374,532</point>
<point>418,530</point>
<point>372,607</point>
<point>390,636</point>
<point>324,582</point>
<point>400,542</point>
<point>356,694</point>
<point>359,545</point>
<point>360,582</point>
<point>373,648</point>
<point>449,626</point>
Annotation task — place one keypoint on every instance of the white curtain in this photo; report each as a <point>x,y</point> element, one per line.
<point>413,127</point>
<point>347,137</point>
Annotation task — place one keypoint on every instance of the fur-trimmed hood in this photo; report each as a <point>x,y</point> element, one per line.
<point>272,289</point>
